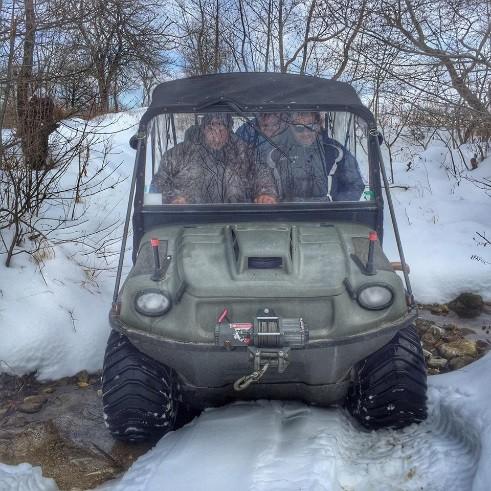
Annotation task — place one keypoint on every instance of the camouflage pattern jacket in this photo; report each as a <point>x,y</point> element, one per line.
<point>199,174</point>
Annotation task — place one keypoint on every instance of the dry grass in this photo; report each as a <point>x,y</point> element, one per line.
<point>44,252</point>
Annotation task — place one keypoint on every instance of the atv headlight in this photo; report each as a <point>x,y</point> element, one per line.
<point>375,297</point>
<point>152,302</point>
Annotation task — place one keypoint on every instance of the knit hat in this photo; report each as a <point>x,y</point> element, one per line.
<point>225,118</point>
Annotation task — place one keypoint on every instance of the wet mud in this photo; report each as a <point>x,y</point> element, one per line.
<point>59,426</point>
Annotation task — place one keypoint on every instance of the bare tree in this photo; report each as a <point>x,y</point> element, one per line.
<point>118,37</point>
<point>202,33</point>
<point>444,50</point>
<point>306,37</point>
<point>34,157</point>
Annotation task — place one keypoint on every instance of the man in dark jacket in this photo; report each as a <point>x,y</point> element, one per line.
<point>314,166</point>
<point>213,166</point>
<point>264,124</point>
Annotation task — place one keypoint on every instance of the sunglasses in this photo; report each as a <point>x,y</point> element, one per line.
<point>300,128</point>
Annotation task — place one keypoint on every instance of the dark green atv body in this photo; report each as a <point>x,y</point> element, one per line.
<point>262,303</point>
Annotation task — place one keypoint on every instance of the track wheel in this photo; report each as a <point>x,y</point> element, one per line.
<point>389,388</point>
<point>139,394</point>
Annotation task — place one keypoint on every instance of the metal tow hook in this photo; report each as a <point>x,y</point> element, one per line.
<point>244,382</point>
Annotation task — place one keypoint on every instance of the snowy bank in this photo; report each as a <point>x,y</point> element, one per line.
<point>54,304</point>
<point>439,217</point>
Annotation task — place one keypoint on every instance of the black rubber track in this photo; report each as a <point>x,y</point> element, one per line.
<point>139,395</point>
<point>389,390</point>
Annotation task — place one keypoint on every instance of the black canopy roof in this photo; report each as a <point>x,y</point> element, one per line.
<point>254,92</point>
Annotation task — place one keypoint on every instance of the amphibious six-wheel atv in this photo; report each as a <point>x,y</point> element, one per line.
<point>231,299</point>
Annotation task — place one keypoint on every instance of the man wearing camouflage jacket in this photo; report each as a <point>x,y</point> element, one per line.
<point>212,165</point>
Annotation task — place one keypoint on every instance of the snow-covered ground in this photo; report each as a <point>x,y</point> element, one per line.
<point>24,477</point>
<point>55,311</point>
<point>55,323</point>
<point>439,219</point>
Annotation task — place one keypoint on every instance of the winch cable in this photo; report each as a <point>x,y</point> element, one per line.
<point>244,382</point>
<point>268,333</point>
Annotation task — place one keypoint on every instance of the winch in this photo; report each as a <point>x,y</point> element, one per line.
<point>267,330</point>
<point>268,337</point>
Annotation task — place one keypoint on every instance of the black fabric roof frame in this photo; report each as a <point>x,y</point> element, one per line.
<point>255,92</point>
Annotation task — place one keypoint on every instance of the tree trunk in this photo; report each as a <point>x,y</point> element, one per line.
<point>306,37</point>
<point>216,60</point>
<point>268,36</point>
<point>9,81</point>
<point>103,96</point>
<point>24,79</point>
<point>280,38</point>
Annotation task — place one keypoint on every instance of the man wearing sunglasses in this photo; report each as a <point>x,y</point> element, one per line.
<point>315,166</point>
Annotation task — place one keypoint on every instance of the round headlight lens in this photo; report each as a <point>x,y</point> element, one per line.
<point>152,303</point>
<point>375,297</point>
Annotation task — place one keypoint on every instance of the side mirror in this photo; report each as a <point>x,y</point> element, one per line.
<point>134,142</point>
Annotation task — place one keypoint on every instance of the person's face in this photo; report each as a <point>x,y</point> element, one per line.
<point>216,134</point>
<point>305,128</point>
<point>270,124</point>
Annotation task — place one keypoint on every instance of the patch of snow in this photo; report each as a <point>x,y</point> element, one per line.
<point>439,218</point>
<point>24,477</point>
<point>56,311</point>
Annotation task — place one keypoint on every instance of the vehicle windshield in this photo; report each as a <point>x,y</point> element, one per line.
<point>262,158</point>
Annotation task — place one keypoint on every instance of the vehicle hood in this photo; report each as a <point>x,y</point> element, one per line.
<point>261,260</point>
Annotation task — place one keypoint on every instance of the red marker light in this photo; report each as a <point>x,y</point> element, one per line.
<point>223,316</point>
<point>156,259</point>
<point>372,237</point>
